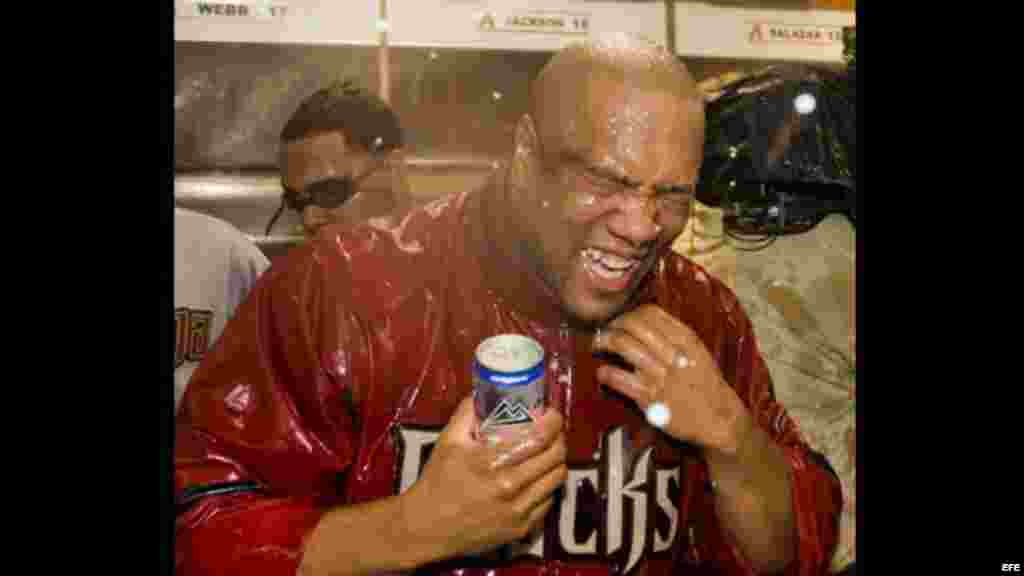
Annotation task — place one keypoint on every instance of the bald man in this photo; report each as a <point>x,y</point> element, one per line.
<point>332,429</point>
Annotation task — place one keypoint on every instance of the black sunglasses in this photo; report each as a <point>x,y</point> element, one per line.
<point>329,193</point>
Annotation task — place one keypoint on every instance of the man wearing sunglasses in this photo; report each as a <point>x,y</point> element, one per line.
<point>332,431</point>
<point>341,159</point>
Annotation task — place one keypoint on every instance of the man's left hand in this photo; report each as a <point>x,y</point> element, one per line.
<point>671,366</point>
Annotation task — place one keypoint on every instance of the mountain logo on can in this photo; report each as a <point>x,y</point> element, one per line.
<point>508,411</point>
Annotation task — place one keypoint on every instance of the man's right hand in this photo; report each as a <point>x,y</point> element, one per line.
<point>476,496</point>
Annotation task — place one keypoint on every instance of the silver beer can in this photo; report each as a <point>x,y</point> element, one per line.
<point>508,382</point>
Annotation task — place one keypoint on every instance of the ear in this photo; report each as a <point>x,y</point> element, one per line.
<point>525,165</point>
<point>526,140</point>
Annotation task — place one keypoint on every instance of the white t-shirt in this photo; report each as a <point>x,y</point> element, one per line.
<point>215,266</point>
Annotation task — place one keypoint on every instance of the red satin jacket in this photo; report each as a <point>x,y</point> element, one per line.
<point>336,376</point>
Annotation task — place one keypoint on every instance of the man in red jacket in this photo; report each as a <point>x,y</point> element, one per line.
<point>331,430</point>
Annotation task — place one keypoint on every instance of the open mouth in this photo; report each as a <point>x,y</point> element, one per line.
<point>612,269</point>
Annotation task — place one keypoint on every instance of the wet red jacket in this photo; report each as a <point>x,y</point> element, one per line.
<point>338,373</point>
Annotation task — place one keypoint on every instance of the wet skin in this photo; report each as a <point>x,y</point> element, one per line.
<point>601,211</point>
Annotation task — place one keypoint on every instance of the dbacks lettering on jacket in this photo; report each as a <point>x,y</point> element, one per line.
<point>621,507</point>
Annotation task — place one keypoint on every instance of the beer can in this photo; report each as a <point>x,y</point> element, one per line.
<point>508,382</point>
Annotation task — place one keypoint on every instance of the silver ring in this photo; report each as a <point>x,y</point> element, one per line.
<point>658,414</point>
<point>681,361</point>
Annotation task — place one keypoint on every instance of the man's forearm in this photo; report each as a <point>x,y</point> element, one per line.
<point>367,538</point>
<point>752,491</point>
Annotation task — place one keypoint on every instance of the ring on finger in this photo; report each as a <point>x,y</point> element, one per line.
<point>658,414</point>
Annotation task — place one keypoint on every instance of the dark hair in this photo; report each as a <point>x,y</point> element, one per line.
<point>342,107</point>
<point>364,119</point>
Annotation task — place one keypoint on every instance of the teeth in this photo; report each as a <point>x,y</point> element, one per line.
<point>600,270</point>
<point>609,261</point>
<point>607,265</point>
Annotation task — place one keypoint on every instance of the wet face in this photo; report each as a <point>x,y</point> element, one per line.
<point>336,182</point>
<point>615,192</point>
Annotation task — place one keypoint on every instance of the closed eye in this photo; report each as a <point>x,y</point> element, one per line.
<point>605,183</point>
<point>675,199</point>
<point>679,190</point>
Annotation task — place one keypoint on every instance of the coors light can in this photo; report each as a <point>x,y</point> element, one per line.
<point>508,382</point>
